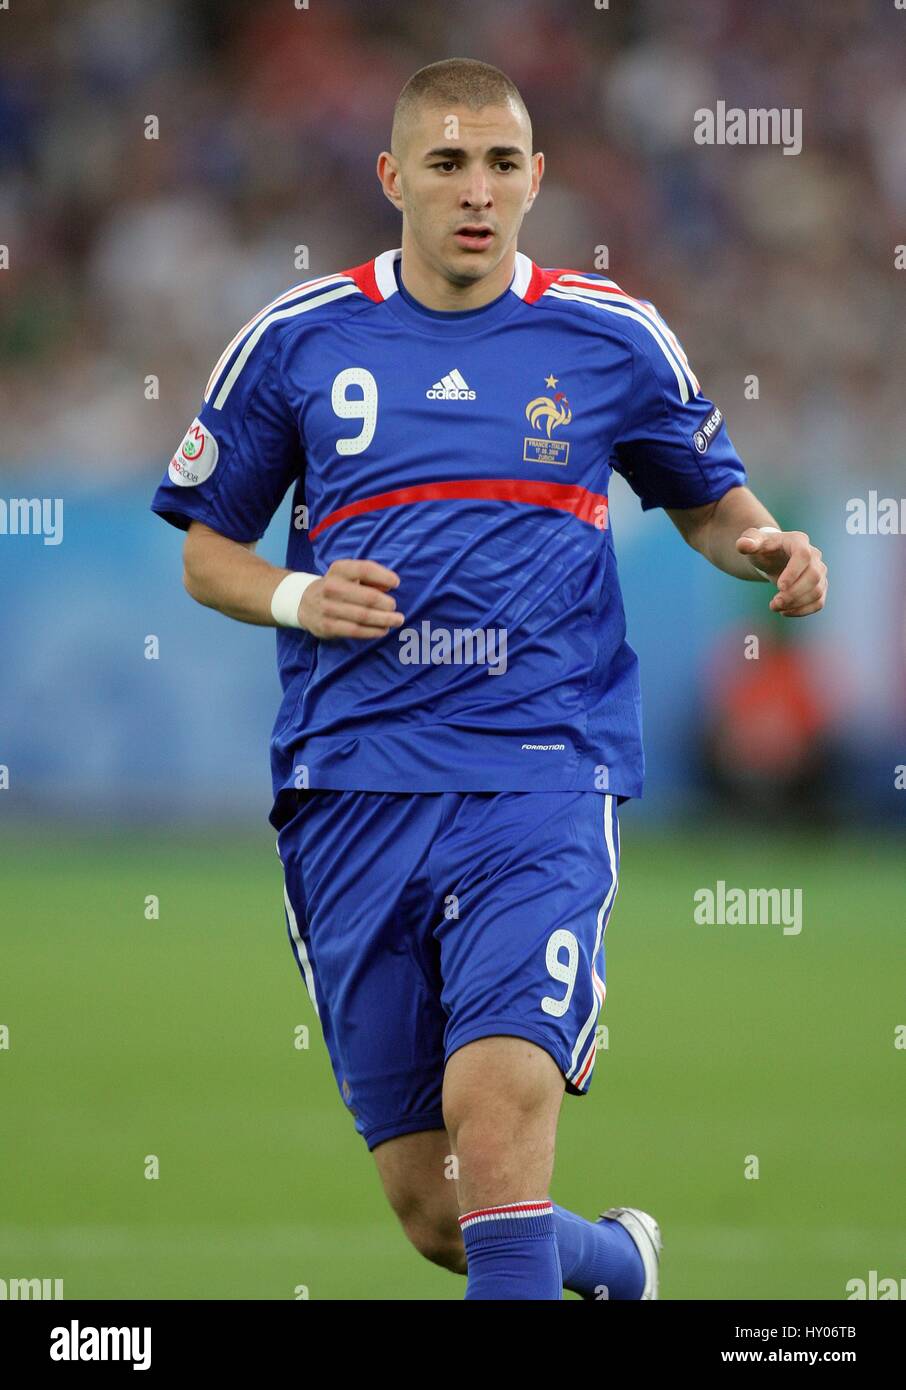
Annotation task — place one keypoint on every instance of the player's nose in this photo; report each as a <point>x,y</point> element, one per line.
<point>477,193</point>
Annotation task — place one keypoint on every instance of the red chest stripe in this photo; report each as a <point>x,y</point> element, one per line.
<point>587,506</point>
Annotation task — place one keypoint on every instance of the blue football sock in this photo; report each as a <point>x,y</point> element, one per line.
<point>596,1256</point>
<point>511,1252</point>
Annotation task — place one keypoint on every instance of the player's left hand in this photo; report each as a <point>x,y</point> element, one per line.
<point>793,564</point>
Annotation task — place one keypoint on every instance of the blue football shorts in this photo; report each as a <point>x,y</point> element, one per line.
<point>422,921</point>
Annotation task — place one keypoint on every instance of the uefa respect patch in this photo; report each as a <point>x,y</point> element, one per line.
<point>196,457</point>
<point>702,438</point>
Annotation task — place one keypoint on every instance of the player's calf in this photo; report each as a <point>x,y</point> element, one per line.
<point>418,1181</point>
<point>435,1236</point>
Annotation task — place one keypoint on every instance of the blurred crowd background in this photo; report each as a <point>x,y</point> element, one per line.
<point>131,257</point>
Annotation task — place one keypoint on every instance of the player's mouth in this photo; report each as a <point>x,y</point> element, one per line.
<point>474,237</point>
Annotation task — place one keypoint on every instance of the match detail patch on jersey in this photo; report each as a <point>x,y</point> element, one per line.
<point>196,457</point>
<point>553,412</point>
<point>702,438</point>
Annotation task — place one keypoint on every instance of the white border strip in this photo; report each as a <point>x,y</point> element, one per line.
<point>299,948</point>
<point>306,287</point>
<point>522,275</point>
<point>603,916</point>
<point>254,337</point>
<point>383,272</point>
<point>609,287</point>
<point>597,299</point>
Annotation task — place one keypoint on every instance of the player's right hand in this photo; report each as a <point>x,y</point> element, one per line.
<point>350,600</point>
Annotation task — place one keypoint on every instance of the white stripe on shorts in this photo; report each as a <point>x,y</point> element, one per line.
<point>603,915</point>
<point>299,948</point>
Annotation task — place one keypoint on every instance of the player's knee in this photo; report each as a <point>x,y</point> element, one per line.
<point>493,1120</point>
<point>501,1085</point>
<point>513,1108</point>
<point>501,1136</point>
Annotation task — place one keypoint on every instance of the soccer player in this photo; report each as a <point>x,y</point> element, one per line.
<point>460,719</point>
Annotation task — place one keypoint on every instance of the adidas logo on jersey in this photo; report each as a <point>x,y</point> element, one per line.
<point>452,387</point>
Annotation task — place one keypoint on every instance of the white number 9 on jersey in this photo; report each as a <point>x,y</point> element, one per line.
<point>362,407</point>
<point>563,971</point>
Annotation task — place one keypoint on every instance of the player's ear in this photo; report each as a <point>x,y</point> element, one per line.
<point>387,166</point>
<point>537,175</point>
<point>388,176</point>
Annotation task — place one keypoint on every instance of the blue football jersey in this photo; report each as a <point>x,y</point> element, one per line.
<point>470,452</point>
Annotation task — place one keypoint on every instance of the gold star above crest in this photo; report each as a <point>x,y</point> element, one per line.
<point>550,381</point>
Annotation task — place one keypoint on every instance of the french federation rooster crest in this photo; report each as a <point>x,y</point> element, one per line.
<point>554,411</point>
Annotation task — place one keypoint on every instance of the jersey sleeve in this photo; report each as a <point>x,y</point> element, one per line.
<point>241,452</point>
<point>673,448</point>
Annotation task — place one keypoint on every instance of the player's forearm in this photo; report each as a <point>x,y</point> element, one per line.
<point>226,575</point>
<point>716,537</point>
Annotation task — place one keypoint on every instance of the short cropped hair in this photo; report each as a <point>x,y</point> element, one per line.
<point>453,82</point>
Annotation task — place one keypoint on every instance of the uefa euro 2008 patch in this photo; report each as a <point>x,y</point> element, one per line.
<point>196,457</point>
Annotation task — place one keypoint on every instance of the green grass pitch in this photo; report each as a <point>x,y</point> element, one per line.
<point>175,1038</point>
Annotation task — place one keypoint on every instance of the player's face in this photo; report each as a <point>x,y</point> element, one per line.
<point>465,181</point>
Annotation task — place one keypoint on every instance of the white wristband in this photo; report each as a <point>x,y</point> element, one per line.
<point>777,532</point>
<point>288,595</point>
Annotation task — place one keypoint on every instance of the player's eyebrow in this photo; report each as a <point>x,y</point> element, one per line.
<point>455,152</point>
